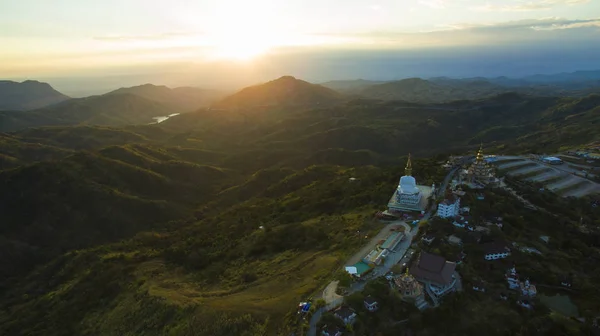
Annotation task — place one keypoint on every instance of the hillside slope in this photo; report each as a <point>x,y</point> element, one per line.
<point>89,199</point>
<point>27,95</point>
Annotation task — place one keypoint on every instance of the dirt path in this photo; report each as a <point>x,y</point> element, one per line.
<point>329,294</point>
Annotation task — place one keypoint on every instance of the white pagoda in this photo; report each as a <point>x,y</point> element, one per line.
<point>408,195</point>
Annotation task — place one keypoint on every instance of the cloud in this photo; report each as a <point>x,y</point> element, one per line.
<point>569,25</point>
<point>152,37</point>
<point>523,6</point>
<point>437,4</point>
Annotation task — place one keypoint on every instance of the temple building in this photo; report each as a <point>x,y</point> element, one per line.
<point>408,195</point>
<point>480,172</point>
<point>435,273</point>
<point>410,289</point>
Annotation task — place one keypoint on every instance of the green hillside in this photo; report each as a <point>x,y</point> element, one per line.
<point>218,222</point>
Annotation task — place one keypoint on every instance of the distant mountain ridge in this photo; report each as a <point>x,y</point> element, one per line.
<point>105,110</point>
<point>28,95</point>
<point>183,98</point>
<point>285,91</point>
<point>350,86</point>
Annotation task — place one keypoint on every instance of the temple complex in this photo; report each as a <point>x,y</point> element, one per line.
<point>408,195</point>
<point>480,173</point>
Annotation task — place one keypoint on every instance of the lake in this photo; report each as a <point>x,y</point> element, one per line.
<point>163,118</point>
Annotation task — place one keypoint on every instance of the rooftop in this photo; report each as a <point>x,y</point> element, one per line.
<point>495,248</point>
<point>344,312</point>
<point>433,268</point>
<point>449,200</point>
<point>370,300</point>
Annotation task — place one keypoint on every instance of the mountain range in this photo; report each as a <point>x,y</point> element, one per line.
<point>220,220</point>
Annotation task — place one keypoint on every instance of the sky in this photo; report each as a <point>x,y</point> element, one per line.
<point>260,38</point>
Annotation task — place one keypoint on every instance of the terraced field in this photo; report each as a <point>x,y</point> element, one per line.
<point>559,179</point>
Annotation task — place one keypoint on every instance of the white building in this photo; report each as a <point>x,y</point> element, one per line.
<point>495,251</point>
<point>552,160</point>
<point>449,208</point>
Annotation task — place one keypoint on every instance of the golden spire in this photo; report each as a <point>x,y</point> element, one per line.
<point>407,270</point>
<point>408,169</point>
<point>480,153</point>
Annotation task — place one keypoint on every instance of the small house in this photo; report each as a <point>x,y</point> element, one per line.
<point>495,251</point>
<point>370,303</point>
<point>566,282</point>
<point>345,314</point>
<point>525,304</point>
<point>428,239</point>
<point>331,331</point>
<point>478,286</point>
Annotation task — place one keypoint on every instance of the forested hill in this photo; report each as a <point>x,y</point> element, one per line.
<point>218,222</point>
<point>284,91</point>
<point>27,95</point>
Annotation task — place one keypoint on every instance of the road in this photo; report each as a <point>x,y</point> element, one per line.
<point>333,300</point>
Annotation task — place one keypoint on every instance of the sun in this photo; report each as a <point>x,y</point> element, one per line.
<point>251,30</point>
<point>242,48</point>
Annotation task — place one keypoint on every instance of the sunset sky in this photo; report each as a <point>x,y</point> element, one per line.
<point>69,37</point>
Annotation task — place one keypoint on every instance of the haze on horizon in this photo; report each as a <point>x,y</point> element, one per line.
<point>229,43</point>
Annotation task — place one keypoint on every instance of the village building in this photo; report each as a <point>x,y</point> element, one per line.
<point>345,314</point>
<point>460,222</point>
<point>371,304</point>
<point>409,196</point>
<point>331,331</point>
<point>459,192</point>
<point>454,240</point>
<point>526,288</point>
<point>525,304</point>
<point>567,281</point>
<point>359,269</point>
<point>436,274</point>
<point>495,251</point>
<point>428,239</point>
<point>478,286</point>
<point>449,208</point>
